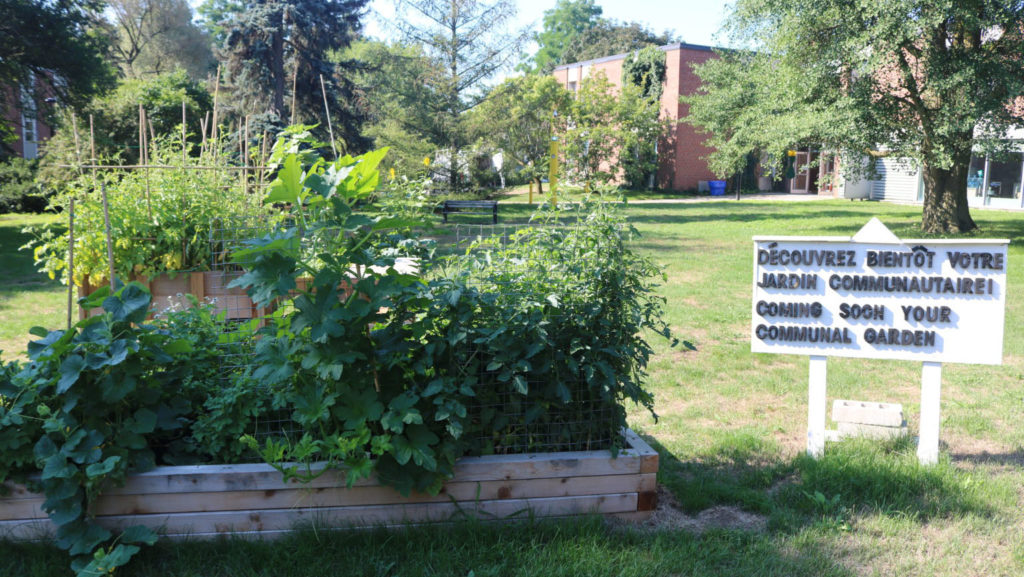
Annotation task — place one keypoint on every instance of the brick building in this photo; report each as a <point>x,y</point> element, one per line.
<point>681,154</point>
<point>22,115</point>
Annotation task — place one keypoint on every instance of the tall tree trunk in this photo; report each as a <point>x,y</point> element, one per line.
<point>945,197</point>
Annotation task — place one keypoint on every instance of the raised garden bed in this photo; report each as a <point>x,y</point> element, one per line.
<point>210,286</point>
<point>207,500</point>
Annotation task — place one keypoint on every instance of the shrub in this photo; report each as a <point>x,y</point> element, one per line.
<point>19,191</point>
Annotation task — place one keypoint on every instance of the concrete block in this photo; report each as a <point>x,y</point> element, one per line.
<point>869,431</point>
<point>868,413</point>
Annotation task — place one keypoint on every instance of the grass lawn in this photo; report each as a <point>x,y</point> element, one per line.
<point>517,194</point>
<point>27,298</point>
<point>731,433</point>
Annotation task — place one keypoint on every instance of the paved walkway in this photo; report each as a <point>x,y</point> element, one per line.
<point>773,196</point>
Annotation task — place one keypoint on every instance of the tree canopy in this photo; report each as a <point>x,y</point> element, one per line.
<point>925,80</point>
<point>520,117</point>
<point>45,40</point>
<point>277,47</point>
<point>157,36</point>
<point>609,37</point>
<point>468,41</point>
<point>562,24</point>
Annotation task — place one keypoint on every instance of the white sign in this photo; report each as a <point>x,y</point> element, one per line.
<point>877,296</point>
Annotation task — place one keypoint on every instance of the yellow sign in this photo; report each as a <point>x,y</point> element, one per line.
<point>553,171</point>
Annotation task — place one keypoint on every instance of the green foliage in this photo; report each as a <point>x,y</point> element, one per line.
<point>611,134</point>
<point>381,366</point>
<point>402,110</point>
<point>468,42</point>
<point>519,118</point>
<point>216,17</point>
<point>116,124</point>
<point>609,37</point>
<point>562,24</point>
<point>274,44</point>
<point>153,37</point>
<point>44,40</point>
<point>645,69</point>
<point>19,191</point>
<point>161,220</point>
<point>87,409</point>
<point>889,75</point>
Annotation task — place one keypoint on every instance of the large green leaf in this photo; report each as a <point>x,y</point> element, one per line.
<point>130,304</point>
<point>70,370</point>
<point>287,187</point>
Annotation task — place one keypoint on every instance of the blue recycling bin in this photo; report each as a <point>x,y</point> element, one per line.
<point>717,187</point>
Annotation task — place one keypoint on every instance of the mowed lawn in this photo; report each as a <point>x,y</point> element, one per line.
<point>27,298</point>
<point>741,498</point>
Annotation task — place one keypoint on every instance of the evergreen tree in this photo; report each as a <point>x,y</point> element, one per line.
<point>275,45</point>
<point>468,42</point>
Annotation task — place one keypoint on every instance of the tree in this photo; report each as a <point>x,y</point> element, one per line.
<point>610,134</point>
<point>609,37</point>
<point>519,117</point>
<point>645,69</point>
<point>217,16</point>
<point>276,44</point>
<point>468,43</point>
<point>562,24</point>
<point>44,40</point>
<point>156,36</point>
<point>116,122</point>
<point>925,80</point>
<point>394,96</point>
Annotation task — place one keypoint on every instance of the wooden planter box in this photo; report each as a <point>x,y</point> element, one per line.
<point>208,500</point>
<point>205,285</point>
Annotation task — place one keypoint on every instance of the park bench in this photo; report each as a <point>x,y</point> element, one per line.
<point>484,207</point>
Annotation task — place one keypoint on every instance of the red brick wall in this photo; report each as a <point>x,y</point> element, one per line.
<point>683,163</point>
<point>682,154</point>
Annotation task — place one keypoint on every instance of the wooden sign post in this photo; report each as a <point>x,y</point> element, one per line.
<point>877,296</point>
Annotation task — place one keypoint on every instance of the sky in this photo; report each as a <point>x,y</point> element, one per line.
<point>694,21</point>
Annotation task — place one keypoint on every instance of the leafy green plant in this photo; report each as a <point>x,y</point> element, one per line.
<point>88,409</point>
<point>161,220</point>
<point>381,368</point>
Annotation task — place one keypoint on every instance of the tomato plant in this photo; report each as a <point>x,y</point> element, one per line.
<point>161,220</point>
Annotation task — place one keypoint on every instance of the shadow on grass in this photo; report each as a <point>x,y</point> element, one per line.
<point>586,546</point>
<point>18,266</point>
<point>855,475</point>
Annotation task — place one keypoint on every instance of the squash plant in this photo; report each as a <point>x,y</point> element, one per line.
<point>87,410</point>
<point>339,359</point>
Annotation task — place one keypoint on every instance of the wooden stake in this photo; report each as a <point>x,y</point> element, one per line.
<point>92,141</point>
<point>245,157</point>
<point>295,83</point>
<point>78,149</point>
<point>71,258</point>
<point>110,244</point>
<point>263,159</point>
<point>184,154</point>
<point>327,112</point>
<point>931,392</point>
<point>216,95</point>
<point>204,124</point>
<point>142,136</point>
<point>144,152</point>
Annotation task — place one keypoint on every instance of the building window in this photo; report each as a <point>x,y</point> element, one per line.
<point>572,87</point>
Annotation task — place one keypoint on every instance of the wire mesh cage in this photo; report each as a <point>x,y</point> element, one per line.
<point>506,262</point>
